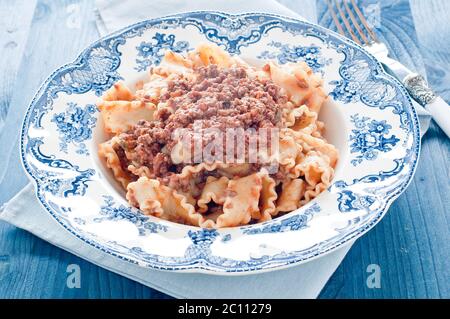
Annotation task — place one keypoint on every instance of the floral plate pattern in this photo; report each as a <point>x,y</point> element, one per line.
<point>369,118</point>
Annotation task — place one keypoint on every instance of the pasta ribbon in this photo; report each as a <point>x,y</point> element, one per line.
<point>158,200</point>
<point>214,190</point>
<point>302,86</point>
<point>120,116</point>
<point>153,164</point>
<point>292,192</point>
<point>107,152</point>
<point>241,202</point>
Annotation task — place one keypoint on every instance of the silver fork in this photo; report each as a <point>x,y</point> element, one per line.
<point>414,83</point>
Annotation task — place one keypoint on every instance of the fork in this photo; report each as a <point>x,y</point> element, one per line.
<point>362,34</point>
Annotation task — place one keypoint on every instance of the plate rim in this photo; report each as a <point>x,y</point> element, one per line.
<point>199,266</point>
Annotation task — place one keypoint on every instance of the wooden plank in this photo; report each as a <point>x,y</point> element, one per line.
<point>393,24</point>
<point>432,23</point>
<point>411,244</point>
<point>54,39</point>
<point>15,19</point>
<point>305,8</point>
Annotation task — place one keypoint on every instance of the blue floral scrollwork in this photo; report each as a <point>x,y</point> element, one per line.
<point>285,53</point>
<point>296,222</point>
<point>349,201</point>
<point>97,72</point>
<point>64,187</point>
<point>54,181</point>
<point>369,137</point>
<point>151,53</point>
<point>75,126</point>
<point>360,83</point>
<point>201,243</point>
<point>111,211</point>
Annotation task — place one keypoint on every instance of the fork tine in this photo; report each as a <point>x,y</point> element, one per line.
<point>347,25</point>
<point>335,19</point>
<point>364,22</point>
<point>355,23</point>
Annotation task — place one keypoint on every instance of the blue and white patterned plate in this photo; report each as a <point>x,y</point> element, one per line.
<point>369,118</point>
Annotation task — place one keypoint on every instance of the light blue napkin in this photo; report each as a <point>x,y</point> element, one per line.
<point>303,281</point>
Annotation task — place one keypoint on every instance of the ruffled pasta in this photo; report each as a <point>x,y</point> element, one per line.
<point>152,90</point>
<point>206,54</point>
<point>291,194</point>
<point>214,190</point>
<point>302,119</point>
<point>107,152</point>
<point>241,203</point>
<point>118,92</point>
<point>302,85</point>
<point>120,116</point>
<point>311,143</point>
<point>173,63</point>
<point>288,151</point>
<point>268,197</point>
<point>312,192</point>
<point>158,200</point>
<point>219,194</point>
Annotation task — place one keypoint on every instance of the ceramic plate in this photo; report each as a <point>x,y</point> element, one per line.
<point>369,117</point>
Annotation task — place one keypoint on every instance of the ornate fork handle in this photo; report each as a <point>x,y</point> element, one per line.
<point>438,108</point>
<point>419,89</point>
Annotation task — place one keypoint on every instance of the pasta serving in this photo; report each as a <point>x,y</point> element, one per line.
<point>211,141</point>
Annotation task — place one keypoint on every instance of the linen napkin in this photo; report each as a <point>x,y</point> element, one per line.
<point>113,15</point>
<point>303,281</point>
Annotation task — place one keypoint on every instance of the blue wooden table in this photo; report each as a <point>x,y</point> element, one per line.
<point>411,244</point>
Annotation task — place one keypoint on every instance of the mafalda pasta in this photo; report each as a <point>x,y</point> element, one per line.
<point>211,141</point>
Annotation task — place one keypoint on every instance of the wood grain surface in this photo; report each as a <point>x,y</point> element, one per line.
<point>411,244</point>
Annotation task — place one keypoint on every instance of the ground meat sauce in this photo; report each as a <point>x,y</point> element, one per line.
<point>217,98</point>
